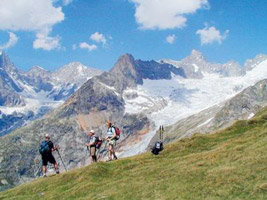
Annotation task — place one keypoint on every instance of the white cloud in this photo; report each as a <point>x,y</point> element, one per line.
<point>210,35</point>
<point>28,15</point>
<point>13,39</point>
<point>43,41</point>
<point>165,14</point>
<point>170,39</point>
<point>87,46</point>
<point>98,37</point>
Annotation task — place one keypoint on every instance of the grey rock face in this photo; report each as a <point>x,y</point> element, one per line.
<point>8,87</point>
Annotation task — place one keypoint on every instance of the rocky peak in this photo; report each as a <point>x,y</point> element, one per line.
<point>124,65</point>
<point>231,68</point>
<point>196,55</point>
<point>128,72</point>
<point>69,73</point>
<point>38,71</point>
<point>5,62</point>
<point>124,73</point>
<point>251,63</point>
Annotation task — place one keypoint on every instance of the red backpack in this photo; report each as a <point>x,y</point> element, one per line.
<point>117,131</point>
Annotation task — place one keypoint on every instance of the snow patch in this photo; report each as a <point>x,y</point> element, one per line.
<point>251,115</point>
<point>196,67</point>
<point>206,122</point>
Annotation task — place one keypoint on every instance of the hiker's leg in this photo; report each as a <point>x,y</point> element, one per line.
<point>44,169</point>
<point>110,151</point>
<point>114,155</point>
<point>93,153</point>
<point>53,161</point>
<point>94,158</point>
<point>44,160</point>
<point>56,166</point>
<point>113,149</point>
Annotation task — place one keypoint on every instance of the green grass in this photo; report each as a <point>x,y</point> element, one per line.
<point>230,164</point>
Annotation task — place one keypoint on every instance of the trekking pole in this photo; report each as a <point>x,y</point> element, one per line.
<point>61,160</point>
<point>162,131</point>
<point>88,150</point>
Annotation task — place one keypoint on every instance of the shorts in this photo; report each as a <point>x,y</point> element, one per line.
<point>112,142</point>
<point>92,150</point>
<point>48,158</point>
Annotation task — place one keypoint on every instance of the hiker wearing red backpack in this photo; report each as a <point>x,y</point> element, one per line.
<point>112,135</point>
<point>92,145</point>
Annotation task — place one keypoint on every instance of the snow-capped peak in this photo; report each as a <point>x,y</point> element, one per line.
<point>69,73</point>
<point>197,54</point>
<point>37,69</point>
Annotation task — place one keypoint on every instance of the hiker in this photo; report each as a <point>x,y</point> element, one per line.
<point>46,149</point>
<point>111,139</point>
<point>92,145</point>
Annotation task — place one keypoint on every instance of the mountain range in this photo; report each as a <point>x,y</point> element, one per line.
<point>138,96</point>
<point>25,96</point>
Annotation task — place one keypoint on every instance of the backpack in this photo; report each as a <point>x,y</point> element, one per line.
<point>117,131</point>
<point>44,147</point>
<point>157,148</point>
<point>98,142</point>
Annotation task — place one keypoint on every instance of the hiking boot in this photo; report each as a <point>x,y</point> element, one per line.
<point>57,172</point>
<point>44,175</point>
<point>115,157</point>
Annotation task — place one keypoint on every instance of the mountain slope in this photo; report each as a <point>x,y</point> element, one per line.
<point>241,107</point>
<point>230,164</point>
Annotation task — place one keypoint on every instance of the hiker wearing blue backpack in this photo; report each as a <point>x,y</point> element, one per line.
<point>46,149</point>
<point>113,134</point>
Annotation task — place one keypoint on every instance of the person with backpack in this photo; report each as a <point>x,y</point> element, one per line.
<point>46,149</point>
<point>111,139</point>
<point>93,141</point>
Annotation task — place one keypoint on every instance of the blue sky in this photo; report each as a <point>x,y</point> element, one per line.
<point>51,33</point>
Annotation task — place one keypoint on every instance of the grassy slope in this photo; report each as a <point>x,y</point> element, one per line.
<point>231,164</point>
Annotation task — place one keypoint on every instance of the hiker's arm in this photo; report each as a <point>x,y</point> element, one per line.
<point>54,148</point>
<point>91,143</point>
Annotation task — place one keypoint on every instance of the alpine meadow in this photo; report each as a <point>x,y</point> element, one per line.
<point>133,99</point>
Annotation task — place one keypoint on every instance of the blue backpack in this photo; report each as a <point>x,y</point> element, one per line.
<point>44,147</point>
